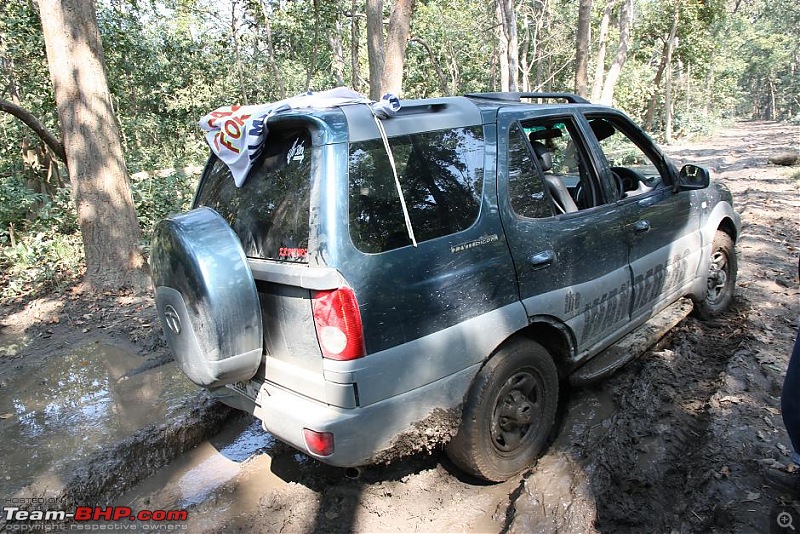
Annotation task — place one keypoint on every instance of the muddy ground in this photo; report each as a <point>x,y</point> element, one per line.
<point>675,442</point>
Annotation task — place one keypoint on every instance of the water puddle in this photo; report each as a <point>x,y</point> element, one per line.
<point>219,478</point>
<point>75,405</point>
<point>587,414</point>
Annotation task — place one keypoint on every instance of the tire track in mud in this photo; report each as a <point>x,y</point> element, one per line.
<point>654,466</point>
<point>646,466</point>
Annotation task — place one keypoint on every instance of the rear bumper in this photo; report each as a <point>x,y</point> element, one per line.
<point>361,435</point>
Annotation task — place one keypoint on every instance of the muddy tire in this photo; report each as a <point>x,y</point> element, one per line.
<point>508,414</point>
<point>721,278</point>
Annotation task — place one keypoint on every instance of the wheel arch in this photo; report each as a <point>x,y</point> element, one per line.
<point>727,225</point>
<point>552,334</point>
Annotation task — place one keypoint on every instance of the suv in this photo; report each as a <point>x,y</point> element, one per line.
<point>378,287</point>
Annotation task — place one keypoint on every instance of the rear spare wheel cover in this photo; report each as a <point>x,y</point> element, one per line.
<point>206,298</point>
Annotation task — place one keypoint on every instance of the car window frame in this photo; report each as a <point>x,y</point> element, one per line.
<point>586,151</point>
<point>537,168</point>
<point>639,138</point>
<point>480,192</point>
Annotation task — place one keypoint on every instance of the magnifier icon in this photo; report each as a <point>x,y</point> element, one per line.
<point>785,520</point>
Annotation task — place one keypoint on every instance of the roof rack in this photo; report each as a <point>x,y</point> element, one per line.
<point>518,96</point>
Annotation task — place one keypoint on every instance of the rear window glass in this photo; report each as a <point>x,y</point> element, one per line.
<point>441,175</point>
<point>270,211</point>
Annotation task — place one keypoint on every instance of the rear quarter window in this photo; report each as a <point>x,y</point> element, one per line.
<point>441,175</point>
<point>270,212</point>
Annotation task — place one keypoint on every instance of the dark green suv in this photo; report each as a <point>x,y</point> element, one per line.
<point>378,286</point>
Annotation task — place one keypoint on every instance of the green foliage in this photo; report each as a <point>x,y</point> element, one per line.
<point>161,194</point>
<point>16,204</point>
<point>47,252</point>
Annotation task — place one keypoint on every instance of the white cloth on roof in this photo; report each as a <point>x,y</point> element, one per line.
<point>236,134</point>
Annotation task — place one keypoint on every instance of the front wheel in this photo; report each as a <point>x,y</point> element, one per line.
<point>509,413</point>
<point>721,278</point>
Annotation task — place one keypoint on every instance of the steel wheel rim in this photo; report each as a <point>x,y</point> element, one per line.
<point>717,276</point>
<point>519,407</point>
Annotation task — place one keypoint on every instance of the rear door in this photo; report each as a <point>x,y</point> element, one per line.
<point>571,267</point>
<point>270,214</point>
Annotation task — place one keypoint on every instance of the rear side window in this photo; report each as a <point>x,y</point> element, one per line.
<point>525,187</point>
<point>270,211</point>
<point>441,175</point>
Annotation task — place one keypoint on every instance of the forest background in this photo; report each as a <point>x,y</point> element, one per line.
<point>678,67</point>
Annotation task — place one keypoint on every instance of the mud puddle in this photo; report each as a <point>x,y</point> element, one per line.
<point>244,481</point>
<point>76,404</point>
<point>222,477</point>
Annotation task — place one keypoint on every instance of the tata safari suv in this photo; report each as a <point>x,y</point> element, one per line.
<point>378,286</point>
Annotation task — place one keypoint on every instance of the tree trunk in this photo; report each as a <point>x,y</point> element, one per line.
<point>600,62</point>
<point>375,46</point>
<point>668,83</point>
<point>354,46</point>
<point>91,140</point>
<point>396,43</point>
<point>668,98</point>
<point>502,50</point>
<point>582,47</point>
<point>666,58</point>
<point>337,53</point>
<point>386,60</point>
<point>439,72</point>
<point>311,66</point>
<point>273,62</point>
<point>509,20</point>
<point>625,22</point>
<point>236,52</point>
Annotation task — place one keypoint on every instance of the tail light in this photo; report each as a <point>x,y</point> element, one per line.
<point>319,443</point>
<point>338,324</point>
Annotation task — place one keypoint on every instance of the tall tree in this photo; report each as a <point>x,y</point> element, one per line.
<point>92,146</point>
<point>502,50</point>
<point>386,58</point>
<point>273,64</point>
<point>375,47</point>
<point>666,58</point>
<point>508,19</point>
<point>582,48</point>
<point>625,23</point>
<point>396,42</point>
<point>600,60</point>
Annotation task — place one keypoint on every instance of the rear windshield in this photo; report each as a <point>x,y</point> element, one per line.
<point>441,175</point>
<point>270,211</point>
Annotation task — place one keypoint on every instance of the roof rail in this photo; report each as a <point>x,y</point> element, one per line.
<point>518,96</point>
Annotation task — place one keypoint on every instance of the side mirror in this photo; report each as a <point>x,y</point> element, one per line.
<point>693,177</point>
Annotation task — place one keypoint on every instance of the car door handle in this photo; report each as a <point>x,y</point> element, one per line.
<point>542,259</point>
<point>641,227</point>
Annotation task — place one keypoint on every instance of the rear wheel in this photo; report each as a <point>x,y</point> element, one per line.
<point>509,413</point>
<point>721,278</point>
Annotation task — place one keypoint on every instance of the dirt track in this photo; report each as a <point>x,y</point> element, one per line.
<point>676,441</point>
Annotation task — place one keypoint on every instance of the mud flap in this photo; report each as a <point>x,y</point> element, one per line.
<point>206,298</point>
